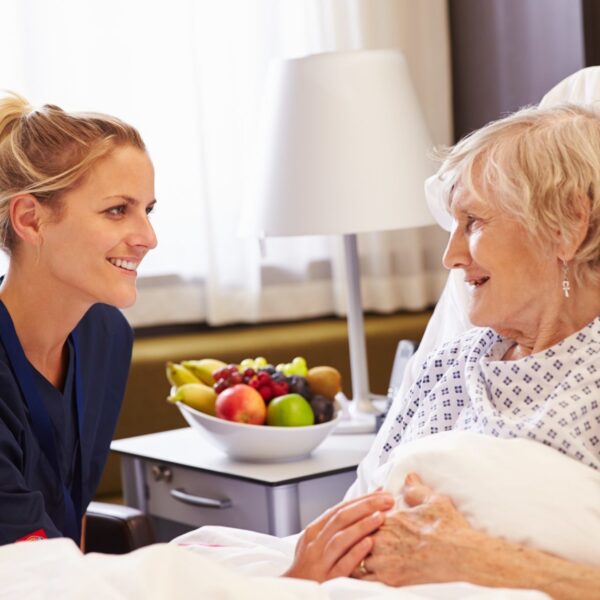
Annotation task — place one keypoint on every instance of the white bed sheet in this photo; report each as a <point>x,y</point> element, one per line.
<point>56,569</point>
<point>518,489</point>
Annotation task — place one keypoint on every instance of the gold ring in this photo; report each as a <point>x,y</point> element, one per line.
<point>362,568</point>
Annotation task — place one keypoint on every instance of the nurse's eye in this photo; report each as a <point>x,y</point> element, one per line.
<point>116,211</point>
<point>150,208</point>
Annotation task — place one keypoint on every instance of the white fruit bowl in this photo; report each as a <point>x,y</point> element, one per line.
<point>258,443</point>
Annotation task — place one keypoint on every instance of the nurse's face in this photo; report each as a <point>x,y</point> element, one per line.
<point>92,251</point>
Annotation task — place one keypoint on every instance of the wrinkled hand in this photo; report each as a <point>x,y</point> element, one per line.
<point>334,544</point>
<point>424,544</point>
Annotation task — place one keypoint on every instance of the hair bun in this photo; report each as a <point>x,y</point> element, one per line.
<point>13,107</point>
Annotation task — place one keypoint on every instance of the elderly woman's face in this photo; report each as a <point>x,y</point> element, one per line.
<point>512,277</point>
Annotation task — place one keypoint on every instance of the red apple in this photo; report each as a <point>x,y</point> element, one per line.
<point>241,403</point>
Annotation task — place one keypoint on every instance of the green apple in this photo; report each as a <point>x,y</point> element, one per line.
<point>290,410</point>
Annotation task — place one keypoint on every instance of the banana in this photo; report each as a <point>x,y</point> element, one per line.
<point>178,375</point>
<point>204,368</point>
<point>197,395</point>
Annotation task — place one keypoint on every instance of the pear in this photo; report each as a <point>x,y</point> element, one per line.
<point>204,368</point>
<point>178,375</point>
<point>197,395</point>
<point>324,381</point>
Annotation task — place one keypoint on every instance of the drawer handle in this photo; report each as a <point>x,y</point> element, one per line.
<point>183,496</point>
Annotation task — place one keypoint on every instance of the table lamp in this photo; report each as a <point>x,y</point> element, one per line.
<point>342,149</point>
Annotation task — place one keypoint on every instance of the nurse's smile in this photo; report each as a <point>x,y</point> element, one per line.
<point>128,266</point>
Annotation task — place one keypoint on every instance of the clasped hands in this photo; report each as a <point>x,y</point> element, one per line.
<point>422,544</point>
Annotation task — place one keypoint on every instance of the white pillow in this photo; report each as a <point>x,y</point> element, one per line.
<point>513,488</point>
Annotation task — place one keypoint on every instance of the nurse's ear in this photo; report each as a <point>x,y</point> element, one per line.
<point>26,217</point>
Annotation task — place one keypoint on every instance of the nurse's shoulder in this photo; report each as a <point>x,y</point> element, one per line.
<point>105,329</point>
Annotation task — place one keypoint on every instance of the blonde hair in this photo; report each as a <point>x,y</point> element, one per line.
<point>536,164</point>
<point>47,151</point>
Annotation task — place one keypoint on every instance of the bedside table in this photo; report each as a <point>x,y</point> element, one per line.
<point>182,482</point>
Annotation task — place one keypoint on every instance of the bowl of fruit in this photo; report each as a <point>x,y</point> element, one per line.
<point>255,411</point>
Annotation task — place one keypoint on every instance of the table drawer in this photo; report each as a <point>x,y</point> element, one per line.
<point>245,504</point>
<point>315,496</point>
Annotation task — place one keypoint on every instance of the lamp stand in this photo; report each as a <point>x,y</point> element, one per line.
<point>361,411</point>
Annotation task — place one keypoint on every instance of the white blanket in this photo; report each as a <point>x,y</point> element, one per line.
<point>515,488</point>
<point>48,570</point>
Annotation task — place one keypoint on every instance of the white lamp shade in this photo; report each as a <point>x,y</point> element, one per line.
<point>342,148</point>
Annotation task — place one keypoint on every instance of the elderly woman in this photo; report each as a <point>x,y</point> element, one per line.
<point>524,194</point>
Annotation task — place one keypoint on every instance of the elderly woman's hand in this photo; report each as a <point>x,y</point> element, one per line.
<point>431,542</point>
<point>334,544</point>
<point>426,543</point>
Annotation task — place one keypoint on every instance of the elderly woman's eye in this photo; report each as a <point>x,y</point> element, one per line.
<point>470,222</point>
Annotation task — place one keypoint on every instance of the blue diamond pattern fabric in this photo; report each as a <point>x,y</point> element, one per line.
<point>551,397</point>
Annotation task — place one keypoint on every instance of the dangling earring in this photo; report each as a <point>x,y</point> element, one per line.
<point>566,284</point>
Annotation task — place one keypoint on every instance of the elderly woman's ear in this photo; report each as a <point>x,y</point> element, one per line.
<point>577,228</point>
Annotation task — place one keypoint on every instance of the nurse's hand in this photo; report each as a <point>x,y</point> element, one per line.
<point>430,542</point>
<point>334,544</point>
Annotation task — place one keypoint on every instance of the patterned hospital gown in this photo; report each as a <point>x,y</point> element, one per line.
<point>552,396</point>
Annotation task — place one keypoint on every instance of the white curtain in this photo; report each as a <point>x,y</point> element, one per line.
<point>189,74</point>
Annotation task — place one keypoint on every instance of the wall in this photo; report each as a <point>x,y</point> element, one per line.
<point>509,53</point>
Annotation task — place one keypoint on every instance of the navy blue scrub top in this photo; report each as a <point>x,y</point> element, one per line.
<point>31,497</point>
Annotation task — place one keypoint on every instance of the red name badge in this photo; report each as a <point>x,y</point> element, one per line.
<point>39,534</point>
